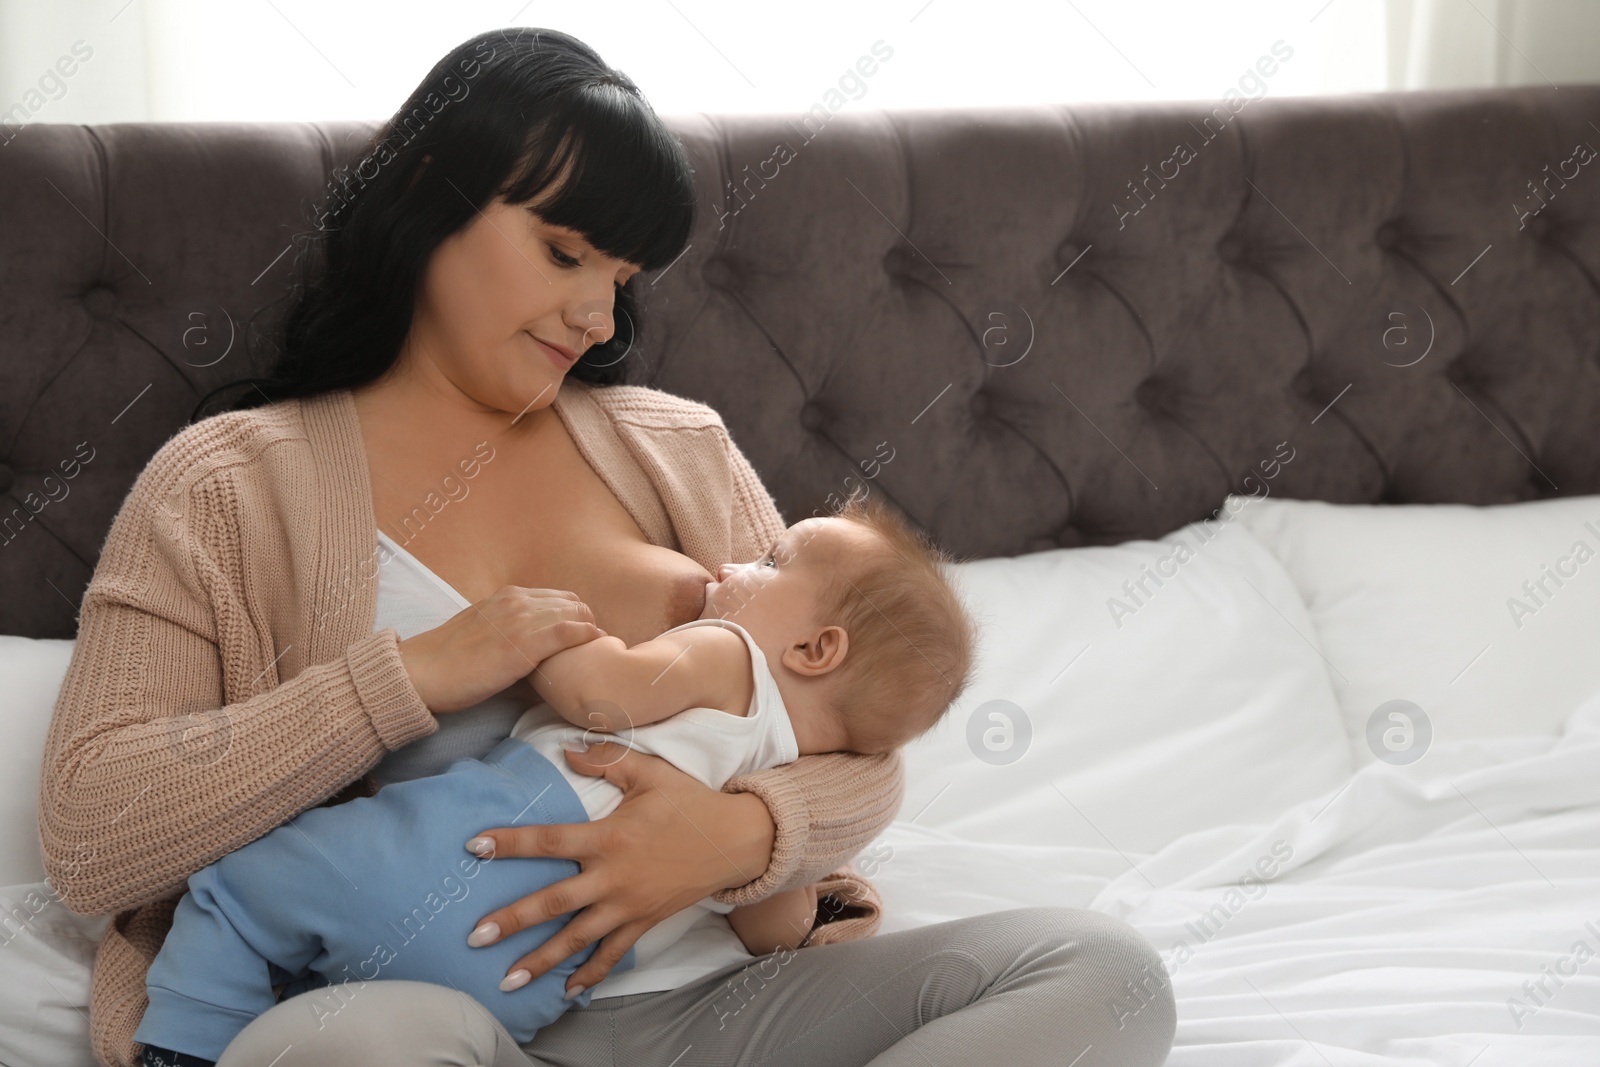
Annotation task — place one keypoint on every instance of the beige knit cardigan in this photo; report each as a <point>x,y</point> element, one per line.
<point>226,675</point>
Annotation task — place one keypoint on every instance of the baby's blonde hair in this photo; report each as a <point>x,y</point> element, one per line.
<point>912,640</point>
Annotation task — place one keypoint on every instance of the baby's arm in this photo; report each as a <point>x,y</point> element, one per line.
<point>605,685</point>
<point>780,921</point>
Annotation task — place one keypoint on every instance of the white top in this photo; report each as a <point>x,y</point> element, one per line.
<point>709,744</point>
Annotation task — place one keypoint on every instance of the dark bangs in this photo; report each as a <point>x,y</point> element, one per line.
<point>630,191</point>
<point>603,164</point>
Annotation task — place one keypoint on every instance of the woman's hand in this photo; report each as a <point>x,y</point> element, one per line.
<point>487,647</point>
<point>671,842</point>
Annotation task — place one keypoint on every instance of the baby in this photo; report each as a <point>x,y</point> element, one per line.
<point>846,637</point>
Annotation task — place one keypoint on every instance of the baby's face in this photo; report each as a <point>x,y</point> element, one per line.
<point>778,592</point>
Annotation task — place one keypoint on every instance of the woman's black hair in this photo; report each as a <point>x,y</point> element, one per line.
<point>503,114</point>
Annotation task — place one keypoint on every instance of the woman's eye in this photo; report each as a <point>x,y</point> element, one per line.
<point>562,258</point>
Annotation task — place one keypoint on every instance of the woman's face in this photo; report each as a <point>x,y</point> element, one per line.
<point>497,295</point>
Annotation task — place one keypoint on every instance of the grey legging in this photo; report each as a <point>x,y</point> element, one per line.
<point>1057,986</point>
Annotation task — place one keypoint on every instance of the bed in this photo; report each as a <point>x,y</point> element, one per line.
<point>1277,500</point>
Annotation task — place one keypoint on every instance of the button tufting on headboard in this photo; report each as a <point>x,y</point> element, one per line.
<point>1150,393</point>
<point>1071,251</point>
<point>811,416</point>
<point>99,302</point>
<point>718,273</point>
<point>901,262</point>
<point>1284,289</point>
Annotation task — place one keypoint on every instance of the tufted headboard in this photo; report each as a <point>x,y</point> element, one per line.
<point>1028,327</point>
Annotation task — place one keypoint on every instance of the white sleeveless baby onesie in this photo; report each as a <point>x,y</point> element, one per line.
<point>710,745</point>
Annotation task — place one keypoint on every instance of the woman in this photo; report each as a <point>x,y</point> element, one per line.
<point>464,322</point>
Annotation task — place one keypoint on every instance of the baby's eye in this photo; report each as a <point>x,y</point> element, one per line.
<point>772,558</point>
<point>562,258</point>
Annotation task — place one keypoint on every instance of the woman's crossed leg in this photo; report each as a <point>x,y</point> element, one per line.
<point>1057,986</point>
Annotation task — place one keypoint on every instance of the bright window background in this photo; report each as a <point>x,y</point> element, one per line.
<point>169,60</point>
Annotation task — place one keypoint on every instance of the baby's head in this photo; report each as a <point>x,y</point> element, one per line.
<point>858,609</point>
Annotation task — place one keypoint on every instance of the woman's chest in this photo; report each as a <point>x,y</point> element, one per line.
<point>537,515</point>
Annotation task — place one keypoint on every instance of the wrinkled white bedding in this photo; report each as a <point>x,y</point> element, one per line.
<point>1411,916</point>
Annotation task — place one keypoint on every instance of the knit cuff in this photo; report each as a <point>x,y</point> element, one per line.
<point>848,907</point>
<point>792,819</point>
<point>391,701</point>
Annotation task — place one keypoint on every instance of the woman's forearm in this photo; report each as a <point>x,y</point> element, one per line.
<point>824,809</point>
<point>748,835</point>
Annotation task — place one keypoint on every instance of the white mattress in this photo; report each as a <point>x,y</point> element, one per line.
<point>1415,903</point>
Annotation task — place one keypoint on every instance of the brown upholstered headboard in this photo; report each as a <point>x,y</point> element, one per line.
<point>1032,327</point>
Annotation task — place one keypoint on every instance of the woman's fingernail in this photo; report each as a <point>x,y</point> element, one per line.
<point>515,980</point>
<point>481,845</point>
<point>486,934</point>
<point>574,991</point>
<point>574,744</point>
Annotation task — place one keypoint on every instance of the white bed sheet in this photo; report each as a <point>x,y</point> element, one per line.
<point>1413,904</point>
<point>1410,907</point>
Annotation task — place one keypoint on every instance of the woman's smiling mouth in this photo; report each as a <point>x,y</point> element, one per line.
<point>561,356</point>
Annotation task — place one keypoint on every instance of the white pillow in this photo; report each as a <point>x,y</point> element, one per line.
<point>46,958</point>
<point>1426,603</point>
<point>1199,702</point>
<point>31,672</point>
